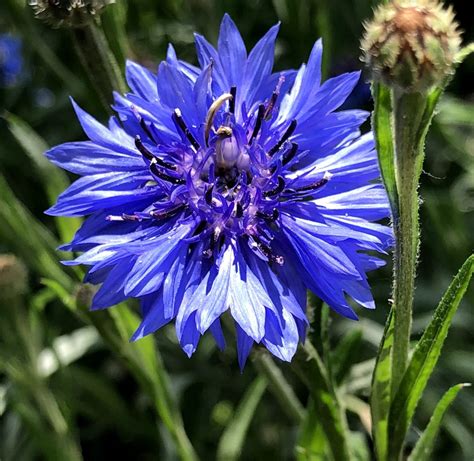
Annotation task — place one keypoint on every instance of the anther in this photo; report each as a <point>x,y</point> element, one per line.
<point>164,176</point>
<point>266,251</point>
<point>258,123</point>
<point>149,156</point>
<point>233,91</point>
<point>273,98</point>
<point>166,214</point>
<point>147,131</point>
<point>279,188</point>
<point>316,185</point>
<point>290,154</point>
<point>289,131</point>
<point>239,210</point>
<point>208,195</point>
<point>267,216</point>
<point>178,119</point>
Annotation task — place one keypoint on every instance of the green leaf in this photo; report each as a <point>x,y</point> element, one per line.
<point>233,438</point>
<point>312,444</point>
<point>424,359</point>
<point>424,446</point>
<point>28,238</point>
<point>345,354</point>
<point>382,126</point>
<point>380,395</point>
<point>53,179</point>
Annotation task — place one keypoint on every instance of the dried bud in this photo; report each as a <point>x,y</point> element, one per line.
<point>68,13</point>
<point>13,277</point>
<point>411,44</point>
<point>84,295</point>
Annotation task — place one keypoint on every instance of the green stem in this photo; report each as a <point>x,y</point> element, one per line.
<point>278,385</point>
<point>408,110</point>
<point>98,60</point>
<point>309,366</point>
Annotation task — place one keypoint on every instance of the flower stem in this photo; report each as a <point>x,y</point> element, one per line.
<point>97,58</point>
<point>309,366</point>
<point>408,110</point>
<point>278,385</point>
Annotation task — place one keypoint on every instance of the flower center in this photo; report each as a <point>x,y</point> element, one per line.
<point>233,184</point>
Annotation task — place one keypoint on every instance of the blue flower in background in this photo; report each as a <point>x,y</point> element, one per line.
<point>228,188</point>
<point>11,60</point>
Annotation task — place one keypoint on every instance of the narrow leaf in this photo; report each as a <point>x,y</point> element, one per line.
<point>28,238</point>
<point>233,438</point>
<point>381,385</point>
<point>424,359</point>
<point>312,443</point>
<point>310,367</point>
<point>53,179</point>
<point>382,126</point>
<point>424,446</point>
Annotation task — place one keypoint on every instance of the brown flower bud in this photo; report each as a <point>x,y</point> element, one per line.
<point>68,13</point>
<point>13,277</point>
<point>411,44</point>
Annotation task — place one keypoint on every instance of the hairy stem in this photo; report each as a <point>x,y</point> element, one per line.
<point>408,109</point>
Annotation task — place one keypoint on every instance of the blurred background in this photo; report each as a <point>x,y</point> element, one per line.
<point>61,383</point>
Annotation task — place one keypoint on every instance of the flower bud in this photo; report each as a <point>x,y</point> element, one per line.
<point>411,44</point>
<point>13,277</point>
<point>68,13</point>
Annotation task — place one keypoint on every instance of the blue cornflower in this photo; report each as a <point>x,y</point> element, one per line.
<point>227,187</point>
<point>11,60</point>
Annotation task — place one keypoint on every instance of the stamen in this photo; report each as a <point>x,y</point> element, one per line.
<point>266,251</point>
<point>149,156</point>
<point>316,185</point>
<point>146,129</point>
<point>166,214</point>
<point>274,97</point>
<point>211,113</point>
<point>233,91</point>
<point>239,210</point>
<point>208,195</point>
<point>289,155</point>
<point>289,131</point>
<point>258,123</point>
<point>178,119</point>
<point>163,175</point>
<point>279,188</point>
<point>268,217</point>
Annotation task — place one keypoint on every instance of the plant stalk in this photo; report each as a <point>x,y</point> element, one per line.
<point>99,62</point>
<point>408,110</point>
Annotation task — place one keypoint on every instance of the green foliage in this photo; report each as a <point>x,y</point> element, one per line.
<point>424,359</point>
<point>70,378</point>
<point>425,444</point>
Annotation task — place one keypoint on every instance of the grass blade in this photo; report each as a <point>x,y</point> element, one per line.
<point>424,359</point>
<point>424,446</point>
<point>233,438</point>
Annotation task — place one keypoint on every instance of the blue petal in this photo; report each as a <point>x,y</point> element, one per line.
<point>211,294</point>
<point>141,81</point>
<point>244,346</point>
<point>86,158</point>
<point>232,52</point>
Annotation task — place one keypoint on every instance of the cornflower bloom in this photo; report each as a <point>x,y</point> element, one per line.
<point>228,188</point>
